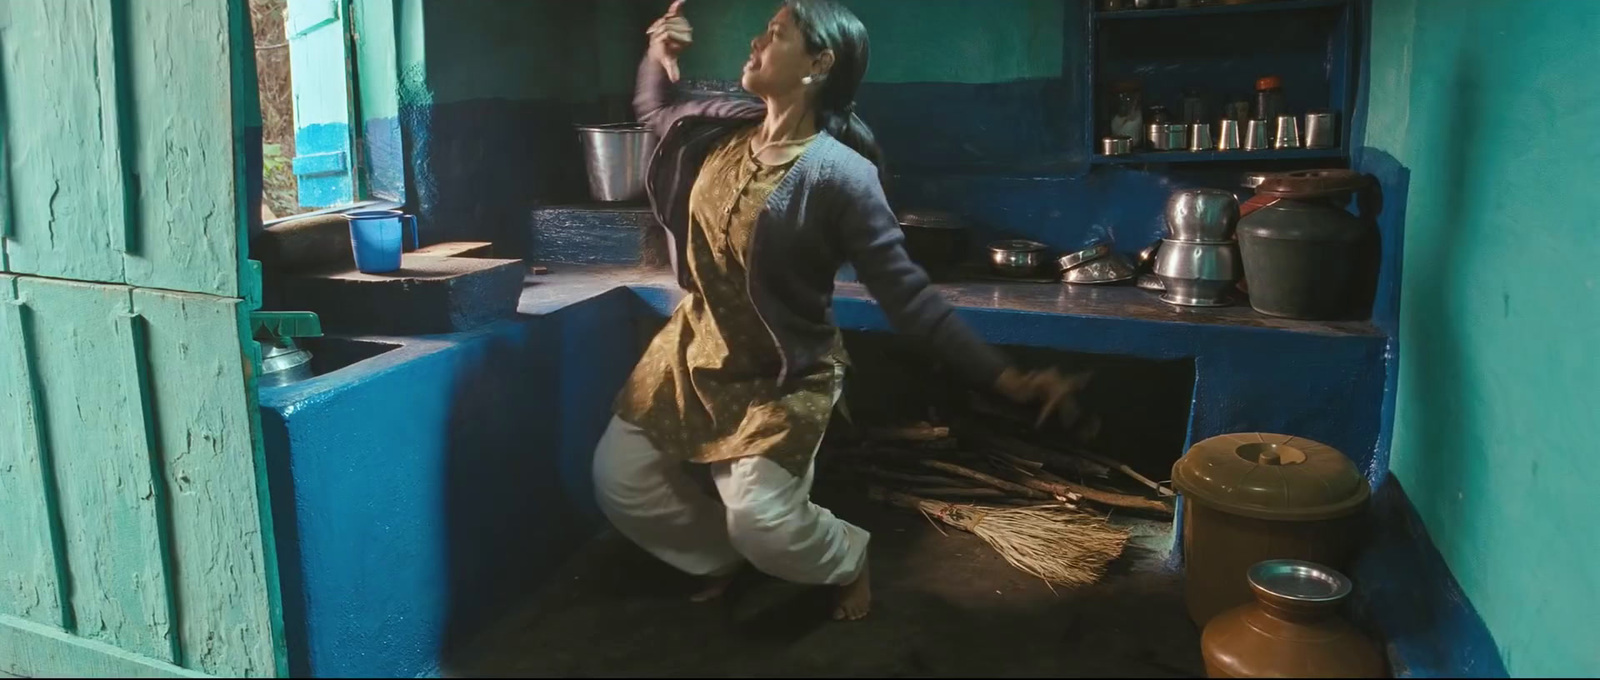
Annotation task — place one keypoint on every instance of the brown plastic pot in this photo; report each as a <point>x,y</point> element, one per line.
<point>1254,497</point>
<point>1291,630</point>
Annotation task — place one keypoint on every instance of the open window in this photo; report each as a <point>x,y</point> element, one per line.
<point>317,114</point>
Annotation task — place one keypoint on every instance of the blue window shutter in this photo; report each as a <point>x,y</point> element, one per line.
<point>319,66</point>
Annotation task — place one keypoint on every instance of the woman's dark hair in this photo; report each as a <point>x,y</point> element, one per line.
<point>829,25</point>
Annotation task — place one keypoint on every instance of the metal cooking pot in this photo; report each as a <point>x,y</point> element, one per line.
<point>616,157</point>
<point>1197,274</point>
<point>1017,257</point>
<point>282,364</point>
<point>935,240</point>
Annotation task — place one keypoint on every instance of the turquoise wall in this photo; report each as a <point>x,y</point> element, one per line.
<point>946,41</point>
<point>506,48</point>
<point>533,49</point>
<point>1491,107</point>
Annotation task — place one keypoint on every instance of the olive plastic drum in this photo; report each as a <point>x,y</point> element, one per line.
<point>1252,497</point>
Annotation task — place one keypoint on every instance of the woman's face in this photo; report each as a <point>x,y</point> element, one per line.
<point>778,58</point>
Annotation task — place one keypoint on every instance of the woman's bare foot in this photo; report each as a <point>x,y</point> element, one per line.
<point>715,585</point>
<point>855,598</point>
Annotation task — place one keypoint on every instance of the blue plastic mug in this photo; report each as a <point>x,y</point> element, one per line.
<point>377,237</point>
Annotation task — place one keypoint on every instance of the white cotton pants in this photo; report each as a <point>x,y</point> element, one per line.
<point>766,516</point>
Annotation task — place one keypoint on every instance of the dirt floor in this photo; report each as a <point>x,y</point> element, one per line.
<point>944,605</point>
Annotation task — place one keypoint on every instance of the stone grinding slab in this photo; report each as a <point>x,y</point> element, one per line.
<point>428,295</point>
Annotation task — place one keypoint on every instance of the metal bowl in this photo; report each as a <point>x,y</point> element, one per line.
<point>1202,215</point>
<point>1109,269</point>
<point>1017,257</point>
<point>1116,145</point>
<point>1093,251</point>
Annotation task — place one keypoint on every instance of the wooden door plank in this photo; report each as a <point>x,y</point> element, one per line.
<point>108,501</point>
<point>203,431</point>
<point>181,117</point>
<point>65,177</point>
<point>32,557</point>
<point>31,650</point>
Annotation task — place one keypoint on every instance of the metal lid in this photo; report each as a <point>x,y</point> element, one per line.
<point>1271,476</point>
<point>1299,581</point>
<point>1307,184</point>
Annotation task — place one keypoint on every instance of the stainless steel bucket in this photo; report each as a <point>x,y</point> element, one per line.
<point>616,157</point>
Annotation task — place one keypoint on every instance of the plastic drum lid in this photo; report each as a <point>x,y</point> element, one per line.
<point>1271,476</point>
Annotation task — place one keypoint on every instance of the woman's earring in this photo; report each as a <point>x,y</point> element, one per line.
<point>806,80</point>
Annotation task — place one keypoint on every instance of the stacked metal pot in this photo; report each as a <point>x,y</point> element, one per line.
<point>1198,261</point>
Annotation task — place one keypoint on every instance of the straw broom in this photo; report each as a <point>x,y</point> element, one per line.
<point>1056,544</point>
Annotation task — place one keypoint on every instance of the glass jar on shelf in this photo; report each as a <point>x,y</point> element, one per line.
<point>1127,118</point>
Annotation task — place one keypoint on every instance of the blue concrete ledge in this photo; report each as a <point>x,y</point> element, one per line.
<point>420,492</point>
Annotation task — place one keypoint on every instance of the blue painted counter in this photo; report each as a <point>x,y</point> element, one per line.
<point>420,492</point>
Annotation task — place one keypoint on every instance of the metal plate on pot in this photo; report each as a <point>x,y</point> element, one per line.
<point>1088,253</point>
<point>1109,269</point>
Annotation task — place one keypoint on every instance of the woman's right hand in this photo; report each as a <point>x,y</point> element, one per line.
<point>669,35</point>
<point>1054,394</point>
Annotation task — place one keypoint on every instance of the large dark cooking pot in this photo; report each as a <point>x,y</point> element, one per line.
<point>935,240</point>
<point>1300,246</point>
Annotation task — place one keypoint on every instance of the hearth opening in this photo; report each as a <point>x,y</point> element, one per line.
<point>1059,503</point>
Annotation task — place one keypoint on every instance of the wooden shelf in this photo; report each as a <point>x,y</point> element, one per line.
<point>1216,156</point>
<point>1217,10</point>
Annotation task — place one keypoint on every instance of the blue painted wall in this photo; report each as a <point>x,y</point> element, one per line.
<point>420,496</point>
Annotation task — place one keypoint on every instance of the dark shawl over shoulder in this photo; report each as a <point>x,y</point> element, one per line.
<point>830,209</point>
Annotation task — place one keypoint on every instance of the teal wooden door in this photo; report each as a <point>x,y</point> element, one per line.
<point>133,534</point>
<point>119,144</point>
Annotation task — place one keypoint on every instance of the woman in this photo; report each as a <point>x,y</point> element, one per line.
<point>763,202</point>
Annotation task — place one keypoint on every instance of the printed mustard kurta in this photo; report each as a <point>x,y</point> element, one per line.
<point>707,389</point>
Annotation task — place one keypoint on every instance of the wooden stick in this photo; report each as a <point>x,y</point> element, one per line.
<point>921,432</point>
<point>1026,477</point>
<point>1066,461</point>
<point>934,480</point>
<point>959,492</point>
<point>988,480</point>
<point>895,498</point>
<point>1106,498</point>
<point>1019,461</point>
<point>901,450</point>
<point>1124,469</point>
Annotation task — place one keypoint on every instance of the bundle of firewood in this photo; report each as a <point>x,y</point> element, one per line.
<point>970,461</point>
<point>1043,508</point>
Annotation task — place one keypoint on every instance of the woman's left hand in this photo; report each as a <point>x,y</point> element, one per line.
<point>1056,395</point>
